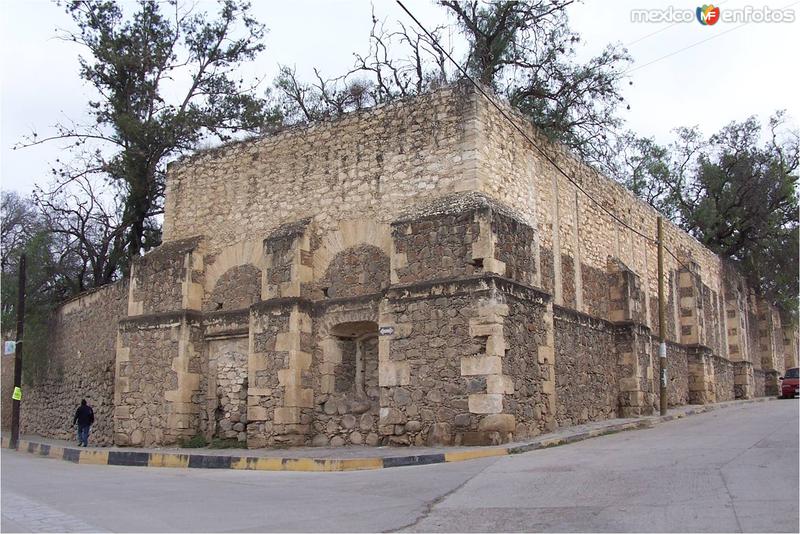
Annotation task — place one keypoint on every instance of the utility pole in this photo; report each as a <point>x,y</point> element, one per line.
<point>662,346</point>
<point>17,397</point>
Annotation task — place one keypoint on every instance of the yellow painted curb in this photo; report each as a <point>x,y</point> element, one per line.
<point>93,457</point>
<point>306,464</point>
<point>460,456</point>
<point>56,452</point>
<point>158,459</point>
<point>257,464</point>
<point>359,464</point>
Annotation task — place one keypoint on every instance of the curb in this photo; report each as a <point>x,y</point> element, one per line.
<point>259,463</point>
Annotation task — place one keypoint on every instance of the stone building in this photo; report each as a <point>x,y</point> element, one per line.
<point>411,274</point>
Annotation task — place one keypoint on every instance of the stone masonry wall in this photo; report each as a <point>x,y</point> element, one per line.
<point>432,335</point>
<point>587,377</point>
<point>514,247</point>
<point>572,225</point>
<point>759,382</point>
<point>677,373</point>
<point>526,330</point>
<point>357,271</point>
<point>157,283</point>
<point>373,163</point>
<point>723,375</point>
<point>158,393</point>
<point>80,365</point>
<point>436,247</point>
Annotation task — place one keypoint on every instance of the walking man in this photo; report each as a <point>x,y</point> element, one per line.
<point>84,416</point>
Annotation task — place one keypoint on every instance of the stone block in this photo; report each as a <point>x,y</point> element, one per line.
<point>257,413</point>
<point>496,346</point>
<point>500,384</point>
<point>493,310</point>
<point>502,423</point>
<point>289,377</point>
<point>286,415</point>
<point>392,416</point>
<point>545,355</point>
<point>439,435</point>
<point>299,359</point>
<point>391,373</point>
<point>485,403</point>
<point>478,328</point>
<point>286,341</point>
<point>299,397</point>
<point>481,365</point>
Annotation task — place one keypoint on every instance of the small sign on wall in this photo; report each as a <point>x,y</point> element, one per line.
<point>9,347</point>
<point>386,330</point>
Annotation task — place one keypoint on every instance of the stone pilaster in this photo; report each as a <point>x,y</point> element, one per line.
<point>701,375</point>
<point>292,419</point>
<point>288,261</point>
<point>483,249</point>
<point>546,358</point>
<point>791,348</point>
<point>635,363</point>
<point>743,380</point>
<point>739,350</point>
<point>626,299</point>
<point>770,345</point>
<point>692,324</point>
<point>159,369</point>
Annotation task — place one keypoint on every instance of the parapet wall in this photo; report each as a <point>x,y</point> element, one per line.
<point>373,163</point>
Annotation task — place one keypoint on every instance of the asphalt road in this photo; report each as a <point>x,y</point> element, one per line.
<point>727,470</point>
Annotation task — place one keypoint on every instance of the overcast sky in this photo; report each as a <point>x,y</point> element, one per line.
<point>734,71</point>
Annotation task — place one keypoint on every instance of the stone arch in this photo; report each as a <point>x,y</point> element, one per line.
<point>359,270</point>
<point>349,234</point>
<point>238,287</point>
<point>225,264</point>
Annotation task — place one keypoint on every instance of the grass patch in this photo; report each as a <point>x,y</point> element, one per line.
<point>230,443</point>
<point>195,442</point>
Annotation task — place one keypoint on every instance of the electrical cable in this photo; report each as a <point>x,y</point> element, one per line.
<point>527,138</point>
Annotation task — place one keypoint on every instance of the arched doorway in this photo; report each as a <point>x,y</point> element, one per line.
<point>357,374</point>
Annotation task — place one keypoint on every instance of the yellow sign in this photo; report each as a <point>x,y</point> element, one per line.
<point>17,395</point>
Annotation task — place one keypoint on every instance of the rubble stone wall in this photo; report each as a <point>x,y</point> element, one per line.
<point>373,163</point>
<point>587,377</point>
<point>80,365</point>
<point>759,386</point>
<point>723,376</point>
<point>432,336</point>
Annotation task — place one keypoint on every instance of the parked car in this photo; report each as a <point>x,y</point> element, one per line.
<point>790,383</point>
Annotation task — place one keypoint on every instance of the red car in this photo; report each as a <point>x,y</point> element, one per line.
<point>789,383</point>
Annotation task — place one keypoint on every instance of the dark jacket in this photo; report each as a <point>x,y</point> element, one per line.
<point>84,415</point>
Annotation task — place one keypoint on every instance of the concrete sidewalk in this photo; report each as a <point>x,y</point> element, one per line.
<point>340,458</point>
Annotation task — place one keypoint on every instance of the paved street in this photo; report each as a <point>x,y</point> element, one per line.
<point>728,470</point>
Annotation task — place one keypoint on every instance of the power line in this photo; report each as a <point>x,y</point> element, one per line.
<point>527,138</point>
<point>684,48</point>
<point>691,45</point>
<point>520,130</point>
<point>647,36</point>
